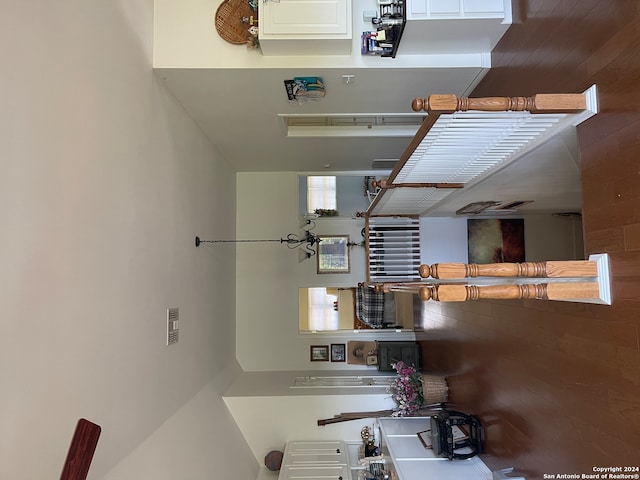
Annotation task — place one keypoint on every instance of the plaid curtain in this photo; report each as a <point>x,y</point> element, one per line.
<point>370,306</point>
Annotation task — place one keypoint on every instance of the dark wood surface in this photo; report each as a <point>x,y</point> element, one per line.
<point>83,446</point>
<point>557,385</point>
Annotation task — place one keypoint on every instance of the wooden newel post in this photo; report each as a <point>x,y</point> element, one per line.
<point>550,269</point>
<point>550,102</point>
<point>573,290</point>
<point>382,183</point>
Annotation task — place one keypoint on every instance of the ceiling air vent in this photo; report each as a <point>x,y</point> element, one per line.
<point>384,163</point>
<point>512,205</point>
<point>492,207</point>
<point>475,208</point>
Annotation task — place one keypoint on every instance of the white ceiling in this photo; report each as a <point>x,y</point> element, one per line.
<point>237,109</point>
<point>549,175</point>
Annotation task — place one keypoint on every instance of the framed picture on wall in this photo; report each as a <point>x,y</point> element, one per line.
<point>338,352</point>
<point>319,353</point>
<point>333,254</point>
<point>495,240</point>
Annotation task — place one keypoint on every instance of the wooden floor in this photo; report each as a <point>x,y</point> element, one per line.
<point>557,385</point>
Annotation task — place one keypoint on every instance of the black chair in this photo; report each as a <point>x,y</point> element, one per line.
<point>442,436</point>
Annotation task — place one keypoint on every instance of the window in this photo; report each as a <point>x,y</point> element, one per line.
<point>321,193</point>
<point>323,314</point>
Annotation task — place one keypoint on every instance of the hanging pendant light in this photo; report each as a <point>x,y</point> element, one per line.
<point>305,240</point>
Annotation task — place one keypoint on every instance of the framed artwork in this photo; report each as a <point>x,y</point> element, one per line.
<point>495,240</point>
<point>338,352</point>
<point>358,353</point>
<point>425,438</point>
<point>319,353</point>
<point>333,254</point>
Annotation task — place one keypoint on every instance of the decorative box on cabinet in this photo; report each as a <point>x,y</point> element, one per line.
<point>392,352</point>
<point>305,27</point>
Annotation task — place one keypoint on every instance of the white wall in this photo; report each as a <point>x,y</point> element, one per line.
<point>200,440</point>
<point>104,182</point>
<point>443,240</point>
<point>283,419</point>
<point>269,347</point>
<point>269,276</point>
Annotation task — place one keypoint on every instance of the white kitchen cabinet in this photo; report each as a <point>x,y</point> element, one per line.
<point>326,460</point>
<point>305,27</point>
<point>450,9</point>
<point>446,27</point>
<point>326,472</point>
<point>483,7</point>
<point>315,453</point>
<point>412,461</point>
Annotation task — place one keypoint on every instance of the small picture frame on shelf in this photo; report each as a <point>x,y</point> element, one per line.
<point>338,352</point>
<point>425,438</point>
<point>457,432</point>
<point>319,353</point>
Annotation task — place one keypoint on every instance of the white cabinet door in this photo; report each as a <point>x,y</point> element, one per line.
<point>454,9</point>
<point>304,18</point>
<point>405,425</point>
<point>315,453</point>
<point>305,27</point>
<point>448,8</point>
<point>336,472</point>
<point>483,6</point>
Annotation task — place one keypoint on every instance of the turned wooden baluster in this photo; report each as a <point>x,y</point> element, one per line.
<point>541,103</point>
<point>549,269</point>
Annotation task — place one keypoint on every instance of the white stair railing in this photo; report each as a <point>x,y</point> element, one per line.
<point>394,249</point>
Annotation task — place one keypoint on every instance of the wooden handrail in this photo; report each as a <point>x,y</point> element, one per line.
<point>549,269</point>
<point>385,184</point>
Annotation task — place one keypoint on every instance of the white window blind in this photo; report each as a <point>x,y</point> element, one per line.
<point>321,193</point>
<point>322,315</point>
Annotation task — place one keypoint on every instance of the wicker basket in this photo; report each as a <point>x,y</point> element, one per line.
<point>228,21</point>
<point>434,389</point>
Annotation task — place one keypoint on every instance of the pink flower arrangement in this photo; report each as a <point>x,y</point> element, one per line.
<point>406,390</point>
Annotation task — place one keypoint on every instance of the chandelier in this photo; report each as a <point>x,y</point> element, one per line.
<point>305,240</point>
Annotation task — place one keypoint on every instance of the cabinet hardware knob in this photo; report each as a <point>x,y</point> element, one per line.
<point>340,477</point>
<point>337,450</point>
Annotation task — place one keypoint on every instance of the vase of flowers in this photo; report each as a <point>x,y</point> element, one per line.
<point>406,390</point>
<point>411,390</point>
